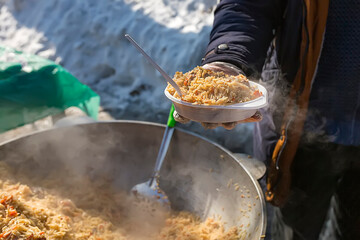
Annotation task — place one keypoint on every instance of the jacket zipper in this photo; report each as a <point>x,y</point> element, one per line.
<point>302,86</point>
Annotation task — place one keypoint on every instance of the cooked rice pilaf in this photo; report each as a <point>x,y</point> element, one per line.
<point>34,212</point>
<point>203,86</point>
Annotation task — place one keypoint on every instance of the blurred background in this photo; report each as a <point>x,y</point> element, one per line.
<point>86,37</point>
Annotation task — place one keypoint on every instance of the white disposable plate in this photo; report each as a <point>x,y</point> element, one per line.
<point>220,113</point>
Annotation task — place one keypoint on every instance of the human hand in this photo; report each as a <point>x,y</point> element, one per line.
<point>227,68</point>
<point>229,125</point>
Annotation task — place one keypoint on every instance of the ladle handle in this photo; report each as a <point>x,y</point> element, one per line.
<point>164,146</point>
<point>171,121</point>
<point>155,65</point>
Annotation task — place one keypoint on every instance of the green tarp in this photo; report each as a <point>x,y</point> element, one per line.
<point>32,88</point>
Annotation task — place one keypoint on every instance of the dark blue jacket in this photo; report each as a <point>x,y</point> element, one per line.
<point>281,40</point>
<point>248,27</point>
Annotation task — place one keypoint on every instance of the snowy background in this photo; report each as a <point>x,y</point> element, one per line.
<point>87,38</point>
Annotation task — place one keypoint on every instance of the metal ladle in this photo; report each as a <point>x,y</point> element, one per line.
<point>151,189</point>
<point>155,65</point>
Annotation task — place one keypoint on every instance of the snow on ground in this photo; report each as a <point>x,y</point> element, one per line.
<point>87,38</point>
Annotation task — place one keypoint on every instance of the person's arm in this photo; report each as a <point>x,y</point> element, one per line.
<point>241,35</point>
<point>242,32</point>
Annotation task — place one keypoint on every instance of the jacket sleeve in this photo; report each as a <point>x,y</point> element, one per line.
<point>242,32</point>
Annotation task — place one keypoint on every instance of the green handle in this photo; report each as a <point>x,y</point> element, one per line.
<point>171,121</point>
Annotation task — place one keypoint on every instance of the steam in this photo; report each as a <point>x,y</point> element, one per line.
<point>91,175</point>
<point>96,165</point>
<point>146,218</point>
<point>278,90</point>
